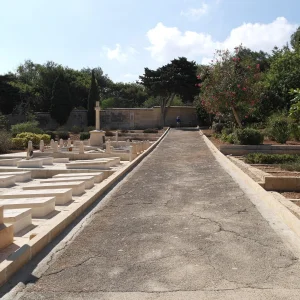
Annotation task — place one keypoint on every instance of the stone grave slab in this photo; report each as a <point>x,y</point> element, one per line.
<point>98,177</point>
<point>19,218</point>
<point>88,180</point>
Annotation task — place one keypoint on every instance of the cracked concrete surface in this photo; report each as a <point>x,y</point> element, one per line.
<point>177,227</point>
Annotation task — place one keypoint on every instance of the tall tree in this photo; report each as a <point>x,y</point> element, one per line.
<point>176,78</point>
<point>61,104</point>
<point>295,39</point>
<point>93,97</point>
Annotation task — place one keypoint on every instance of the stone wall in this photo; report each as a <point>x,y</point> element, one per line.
<point>119,118</point>
<point>142,118</point>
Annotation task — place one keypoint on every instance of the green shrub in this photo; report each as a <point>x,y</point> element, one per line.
<point>52,134</point>
<point>218,127</point>
<point>109,133</point>
<point>291,167</point>
<point>278,128</point>
<point>261,158</point>
<point>4,124</point>
<point>19,143</point>
<point>248,136</point>
<point>150,130</point>
<point>294,130</point>
<point>84,136</point>
<point>75,129</point>
<point>35,138</point>
<point>46,138</point>
<point>32,127</point>
<point>63,135</point>
<point>5,143</point>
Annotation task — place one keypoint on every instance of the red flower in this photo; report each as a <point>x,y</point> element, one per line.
<point>238,85</point>
<point>257,66</point>
<point>198,77</point>
<point>246,117</point>
<point>244,89</point>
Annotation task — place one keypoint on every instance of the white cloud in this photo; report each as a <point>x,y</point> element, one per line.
<point>129,75</point>
<point>118,53</point>
<point>169,42</point>
<point>196,12</point>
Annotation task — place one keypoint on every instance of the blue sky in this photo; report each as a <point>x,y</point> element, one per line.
<point>124,36</point>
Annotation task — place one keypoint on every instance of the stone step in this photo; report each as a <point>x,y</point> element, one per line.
<point>20,176</point>
<point>88,180</point>
<point>6,235</point>
<point>113,160</point>
<point>7,181</point>
<point>19,218</point>
<point>62,196</point>
<point>78,187</point>
<point>30,163</point>
<point>101,165</point>
<point>9,161</point>
<point>41,207</point>
<point>98,177</point>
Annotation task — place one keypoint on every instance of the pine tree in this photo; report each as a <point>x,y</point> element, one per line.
<point>61,104</point>
<point>93,97</point>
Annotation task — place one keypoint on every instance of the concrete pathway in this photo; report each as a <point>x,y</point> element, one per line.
<point>178,227</point>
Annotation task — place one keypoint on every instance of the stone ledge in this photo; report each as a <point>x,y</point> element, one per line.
<point>24,254</point>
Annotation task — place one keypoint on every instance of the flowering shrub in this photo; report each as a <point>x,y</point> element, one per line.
<point>231,85</point>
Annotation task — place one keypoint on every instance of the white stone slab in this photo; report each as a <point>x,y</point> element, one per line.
<point>61,160</point>
<point>77,187</point>
<point>6,235</point>
<point>40,206</point>
<point>20,218</point>
<point>7,181</point>
<point>47,160</point>
<point>88,180</point>
<point>113,161</point>
<point>30,163</point>
<point>101,165</point>
<point>98,177</point>
<point>20,176</point>
<point>62,196</point>
<point>9,161</point>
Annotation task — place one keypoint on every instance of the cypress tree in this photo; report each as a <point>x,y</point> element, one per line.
<point>93,97</point>
<point>61,103</point>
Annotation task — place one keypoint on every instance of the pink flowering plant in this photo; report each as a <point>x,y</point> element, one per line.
<point>232,86</point>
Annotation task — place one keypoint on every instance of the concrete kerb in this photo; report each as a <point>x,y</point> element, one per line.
<point>20,257</point>
<point>281,219</point>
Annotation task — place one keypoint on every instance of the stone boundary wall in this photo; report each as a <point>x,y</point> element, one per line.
<point>238,150</point>
<point>119,118</point>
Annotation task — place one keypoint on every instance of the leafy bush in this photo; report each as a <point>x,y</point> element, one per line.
<point>109,133</point>
<point>63,135</point>
<point>75,129</point>
<point>150,131</point>
<point>294,130</point>
<point>4,124</point>
<point>46,138</point>
<point>261,158</point>
<point>291,167</point>
<point>52,134</point>
<point>278,128</point>
<point>5,139</point>
<point>19,143</point>
<point>35,138</point>
<point>218,127</point>
<point>248,136</point>
<point>228,138</point>
<point>32,127</point>
<point>84,136</point>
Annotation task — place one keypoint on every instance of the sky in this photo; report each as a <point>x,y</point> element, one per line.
<point>125,36</point>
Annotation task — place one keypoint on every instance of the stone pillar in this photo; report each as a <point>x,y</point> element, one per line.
<point>97,109</point>
<point>130,153</point>
<point>55,147</point>
<point>69,144</point>
<point>81,148</point>
<point>127,143</point>
<point>52,144</point>
<point>42,146</point>
<point>108,147</point>
<point>61,143</point>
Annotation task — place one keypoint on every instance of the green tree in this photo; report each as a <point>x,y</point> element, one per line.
<point>232,86</point>
<point>61,104</point>
<point>93,97</point>
<point>176,78</point>
<point>295,39</point>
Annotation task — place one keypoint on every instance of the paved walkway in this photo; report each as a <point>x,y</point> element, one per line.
<point>178,227</point>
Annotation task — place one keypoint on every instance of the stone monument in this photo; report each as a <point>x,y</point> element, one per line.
<point>97,135</point>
